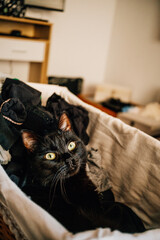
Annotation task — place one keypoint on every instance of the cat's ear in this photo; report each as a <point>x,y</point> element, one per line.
<point>30,140</point>
<point>64,123</point>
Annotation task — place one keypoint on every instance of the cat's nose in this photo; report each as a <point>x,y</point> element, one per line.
<point>66,156</point>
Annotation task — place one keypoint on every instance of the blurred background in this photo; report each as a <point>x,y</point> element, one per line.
<point>111,46</point>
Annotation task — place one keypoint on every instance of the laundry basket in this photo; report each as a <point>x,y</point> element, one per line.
<point>129,157</point>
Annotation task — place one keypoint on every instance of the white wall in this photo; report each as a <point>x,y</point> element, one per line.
<point>112,41</point>
<point>134,52</point>
<point>80,40</point>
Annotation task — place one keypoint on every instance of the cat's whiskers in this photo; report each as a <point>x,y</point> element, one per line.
<point>63,190</point>
<point>53,188</point>
<point>54,182</point>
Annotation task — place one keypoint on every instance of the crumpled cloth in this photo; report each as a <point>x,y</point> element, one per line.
<point>39,120</point>
<point>9,220</point>
<point>5,156</point>
<point>96,172</point>
<point>15,96</point>
<point>14,110</point>
<point>13,88</point>
<point>77,115</point>
<point>8,134</point>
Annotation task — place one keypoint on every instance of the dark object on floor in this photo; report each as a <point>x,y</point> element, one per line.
<point>115,105</point>
<point>73,84</point>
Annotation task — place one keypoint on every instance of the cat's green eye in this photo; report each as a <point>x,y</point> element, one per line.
<point>71,146</point>
<point>50,156</point>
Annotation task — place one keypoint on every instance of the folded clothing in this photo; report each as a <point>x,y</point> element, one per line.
<point>14,88</point>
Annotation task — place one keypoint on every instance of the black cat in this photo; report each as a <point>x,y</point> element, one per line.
<point>57,181</point>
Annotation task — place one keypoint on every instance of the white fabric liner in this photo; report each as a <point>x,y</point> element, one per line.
<point>131,159</point>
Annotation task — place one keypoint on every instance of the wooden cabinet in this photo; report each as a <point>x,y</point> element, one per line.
<point>31,46</point>
<point>18,50</point>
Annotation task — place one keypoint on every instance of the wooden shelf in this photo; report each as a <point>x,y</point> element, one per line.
<point>23,38</point>
<point>24,20</point>
<point>31,30</point>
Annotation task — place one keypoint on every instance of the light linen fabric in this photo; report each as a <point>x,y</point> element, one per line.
<point>37,224</point>
<point>5,156</point>
<point>130,158</point>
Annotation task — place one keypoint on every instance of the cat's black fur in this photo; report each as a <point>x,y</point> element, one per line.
<point>62,187</point>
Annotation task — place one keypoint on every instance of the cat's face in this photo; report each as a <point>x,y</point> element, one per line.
<point>58,155</point>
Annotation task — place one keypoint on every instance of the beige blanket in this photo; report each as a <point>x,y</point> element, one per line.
<point>130,158</point>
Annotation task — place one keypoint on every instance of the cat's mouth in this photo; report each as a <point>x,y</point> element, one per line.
<point>72,171</point>
<point>72,168</point>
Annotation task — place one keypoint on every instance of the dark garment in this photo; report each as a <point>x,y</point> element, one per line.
<point>1,99</point>
<point>12,114</point>
<point>78,115</point>
<point>8,136</point>
<point>14,88</point>
<point>14,110</point>
<point>17,172</point>
<point>40,120</point>
<point>15,96</point>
